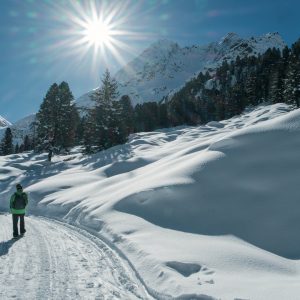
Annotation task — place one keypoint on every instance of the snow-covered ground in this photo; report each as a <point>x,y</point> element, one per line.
<point>209,210</point>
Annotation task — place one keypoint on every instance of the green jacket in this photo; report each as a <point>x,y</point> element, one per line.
<point>13,210</point>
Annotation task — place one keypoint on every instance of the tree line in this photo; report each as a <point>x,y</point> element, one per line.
<point>272,77</point>
<point>7,146</point>
<point>215,95</point>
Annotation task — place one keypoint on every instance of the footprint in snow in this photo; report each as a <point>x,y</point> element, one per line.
<point>204,274</point>
<point>89,285</point>
<point>188,269</point>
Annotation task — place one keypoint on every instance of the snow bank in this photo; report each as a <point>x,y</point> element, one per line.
<point>209,210</point>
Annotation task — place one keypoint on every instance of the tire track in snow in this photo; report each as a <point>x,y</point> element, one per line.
<point>54,261</point>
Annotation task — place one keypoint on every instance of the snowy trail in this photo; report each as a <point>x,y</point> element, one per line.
<point>56,261</point>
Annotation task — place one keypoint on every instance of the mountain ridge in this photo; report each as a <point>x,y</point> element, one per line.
<point>164,66</point>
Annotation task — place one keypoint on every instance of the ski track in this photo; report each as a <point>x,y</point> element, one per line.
<point>57,261</point>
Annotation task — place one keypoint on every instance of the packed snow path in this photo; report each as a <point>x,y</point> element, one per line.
<point>57,261</point>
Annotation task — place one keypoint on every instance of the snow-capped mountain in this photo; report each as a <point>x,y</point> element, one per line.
<point>165,66</point>
<point>4,122</point>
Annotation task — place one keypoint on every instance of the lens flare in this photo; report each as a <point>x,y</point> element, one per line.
<point>97,29</point>
<point>86,37</point>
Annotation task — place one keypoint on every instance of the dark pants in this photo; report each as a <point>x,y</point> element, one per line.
<point>15,218</point>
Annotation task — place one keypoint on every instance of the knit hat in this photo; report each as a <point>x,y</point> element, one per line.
<point>19,186</point>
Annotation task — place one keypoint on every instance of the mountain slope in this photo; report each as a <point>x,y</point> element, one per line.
<point>165,66</point>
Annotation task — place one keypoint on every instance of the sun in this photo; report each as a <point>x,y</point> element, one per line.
<point>98,33</point>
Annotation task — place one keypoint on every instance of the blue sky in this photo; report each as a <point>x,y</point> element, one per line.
<point>39,39</point>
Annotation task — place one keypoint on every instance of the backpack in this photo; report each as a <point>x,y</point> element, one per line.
<point>19,201</point>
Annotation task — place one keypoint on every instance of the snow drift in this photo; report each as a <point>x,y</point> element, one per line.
<point>243,178</point>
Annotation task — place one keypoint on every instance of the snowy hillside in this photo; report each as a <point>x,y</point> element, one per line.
<point>165,66</point>
<point>210,210</point>
<point>20,129</point>
<point>4,122</point>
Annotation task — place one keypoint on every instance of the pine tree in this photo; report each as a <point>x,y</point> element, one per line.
<point>127,114</point>
<point>251,89</point>
<point>33,129</point>
<point>7,143</point>
<point>293,75</point>
<point>89,131</point>
<point>27,143</point>
<point>292,82</point>
<point>46,118</point>
<point>275,86</point>
<point>57,118</point>
<point>80,130</point>
<point>17,148</point>
<point>104,133</point>
<point>21,148</point>
<point>118,131</point>
<point>220,109</point>
<point>68,117</point>
<point>163,116</point>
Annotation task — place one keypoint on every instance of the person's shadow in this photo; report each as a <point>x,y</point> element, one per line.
<point>5,246</point>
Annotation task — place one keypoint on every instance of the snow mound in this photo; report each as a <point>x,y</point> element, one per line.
<point>239,179</point>
<point>215,124</point>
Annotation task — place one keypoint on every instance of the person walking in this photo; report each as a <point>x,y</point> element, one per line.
<point>18,203</point>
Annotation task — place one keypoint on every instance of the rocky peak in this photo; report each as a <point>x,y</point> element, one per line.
<point>4,122</point>
<point>230,38</point>
<point>165,67</point>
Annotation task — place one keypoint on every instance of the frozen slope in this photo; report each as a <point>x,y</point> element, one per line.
<point>209,210</point>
